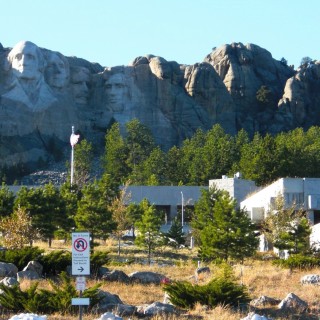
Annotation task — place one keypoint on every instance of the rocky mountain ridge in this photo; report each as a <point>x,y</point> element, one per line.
<point>43,93</point>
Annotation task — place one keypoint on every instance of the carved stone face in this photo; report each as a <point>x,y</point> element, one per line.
<point>117,92</point>
<point>25,60</point>
<point>57,71</point>
<point>80,79</point>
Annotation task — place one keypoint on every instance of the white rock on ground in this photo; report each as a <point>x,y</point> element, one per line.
<point>28,316</point>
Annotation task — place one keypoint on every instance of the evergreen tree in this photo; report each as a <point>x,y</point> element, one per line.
<point>152,170</point>
<point>175,173</point>
<point>150,236</point>
<point>192,163</point>
<point>139,143</point>
<point>134,213</point>
<point>45,206</point>
<point>6,201</point>
<point>83,157</point>
<point>218,154</point>
<point>175,236</point>
<point>259,160</point>
<point>70,196</point>
<point>223,231</point>
<point>93,214</point>
<point>115,156</point>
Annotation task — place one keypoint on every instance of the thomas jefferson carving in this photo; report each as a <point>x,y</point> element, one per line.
<point>57,72</point>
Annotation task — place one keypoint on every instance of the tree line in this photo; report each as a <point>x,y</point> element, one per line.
<point>209,155</point>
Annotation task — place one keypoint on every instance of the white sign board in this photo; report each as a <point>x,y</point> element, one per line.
<point>80,253</point>
<point>80,301</point>
<point>81,283</point>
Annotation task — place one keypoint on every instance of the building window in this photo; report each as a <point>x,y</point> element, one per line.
<point>293,197</point>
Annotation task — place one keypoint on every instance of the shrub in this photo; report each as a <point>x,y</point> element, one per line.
<point>16,300</point>
<point>43,300</point>
<point>220,290</point>
<point>21,257</point>
<point>298,261</point>
<point>97,260</point>
<point>55,262</point>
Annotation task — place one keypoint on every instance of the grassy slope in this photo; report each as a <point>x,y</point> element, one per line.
<point>261,278</point>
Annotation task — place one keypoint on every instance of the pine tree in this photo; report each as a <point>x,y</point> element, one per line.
<point>115,156</point>
<point>93,214</point>
<point>223,231</point>
<point>175,233</point>
<point>149,236</point>
<point>6,201</point>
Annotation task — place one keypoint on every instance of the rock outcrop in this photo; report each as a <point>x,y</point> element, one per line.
<point>245,69</point>
<point>43,93</point>
<point>299,105</point>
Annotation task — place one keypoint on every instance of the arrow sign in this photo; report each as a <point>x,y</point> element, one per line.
<point>80,253</point>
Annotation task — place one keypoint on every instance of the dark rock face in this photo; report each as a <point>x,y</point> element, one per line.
<point>244,69</point>
<point>301,99</point>
<point>43,97</point>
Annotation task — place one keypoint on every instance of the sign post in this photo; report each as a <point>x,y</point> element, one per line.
<point>80,265</point>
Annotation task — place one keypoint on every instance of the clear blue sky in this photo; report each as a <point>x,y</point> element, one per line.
<point>114,32</point>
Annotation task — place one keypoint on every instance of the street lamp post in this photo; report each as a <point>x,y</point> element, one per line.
<point>73,140</point>
<point>182,210</point>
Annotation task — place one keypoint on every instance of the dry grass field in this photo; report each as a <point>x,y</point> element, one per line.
<point>260,277</point>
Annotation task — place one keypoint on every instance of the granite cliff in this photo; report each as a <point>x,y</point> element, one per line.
<point>43,93</point>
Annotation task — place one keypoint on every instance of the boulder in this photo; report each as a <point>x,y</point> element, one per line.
<point>102,271</point>
<point>9,281</point>
<point>158,308</point>
<point>263,301</point>
<point>116,275</point>
<point>310,279</point>
<point>108,302</point>
<point>27,275</point>
<point>255,316</point>
<point>109,316</point>
<point>292,302</point>
<point>28,316</point>
<point>146,277</point>
<point>8,270</point>
<point>34,266</point>
<point>125,310</point>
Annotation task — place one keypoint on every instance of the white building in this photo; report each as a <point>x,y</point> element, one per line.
<point>238,188</point>
<point>304,192</point>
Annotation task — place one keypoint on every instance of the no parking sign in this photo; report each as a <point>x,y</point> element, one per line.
<point>80,253</point>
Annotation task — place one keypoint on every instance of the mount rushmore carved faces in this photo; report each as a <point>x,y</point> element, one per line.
<point>27,83</point>
<point>26,61</point>
<point>80,80</point>
<point>57,72</point>
<point>117,92</point>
